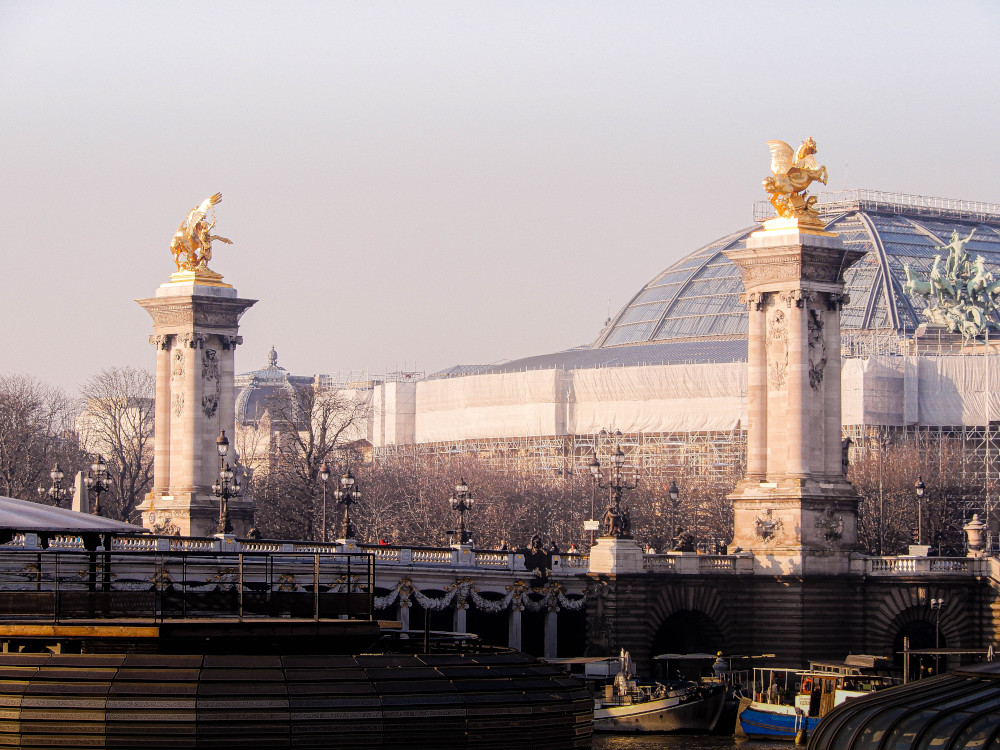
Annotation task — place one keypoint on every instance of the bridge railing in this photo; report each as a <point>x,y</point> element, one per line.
<point>62,583</point>
<point>512,561</point>
<point>920,566</point>
<point>691,564</point>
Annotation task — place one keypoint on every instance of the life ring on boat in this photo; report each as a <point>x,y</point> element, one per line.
<point>807,685</point>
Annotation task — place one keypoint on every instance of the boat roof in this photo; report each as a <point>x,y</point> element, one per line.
<point>687,656</point>
<point>24,515</point>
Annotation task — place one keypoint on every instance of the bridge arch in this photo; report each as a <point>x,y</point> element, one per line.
<point>685,617</point>
<point>906,612</point>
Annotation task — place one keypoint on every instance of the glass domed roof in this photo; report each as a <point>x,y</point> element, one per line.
<point>697,298</point>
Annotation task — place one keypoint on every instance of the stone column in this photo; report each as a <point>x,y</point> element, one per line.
<point>796,464</point>
<point>756,386</point>
<point>551,634</point>
<point>458,621</point>
<point>833,463</point>
<point>514,628</point>
<point>195,327</point>
<point>161,415</point>
<point>796,515</point>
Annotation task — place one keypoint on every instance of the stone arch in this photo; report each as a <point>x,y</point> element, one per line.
<point>695,612</point>
<point>900,609</point>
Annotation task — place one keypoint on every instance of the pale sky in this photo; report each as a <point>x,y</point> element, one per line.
<point>422,184</point>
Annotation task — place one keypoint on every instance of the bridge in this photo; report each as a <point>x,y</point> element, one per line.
<point>555,606</point>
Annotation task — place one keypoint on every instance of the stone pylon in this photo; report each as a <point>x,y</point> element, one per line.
<point>195,325</point>
<point>794,510</point>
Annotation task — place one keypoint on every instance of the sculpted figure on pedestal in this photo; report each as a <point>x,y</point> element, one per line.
<point>791,173</point>
<point>192,243</point>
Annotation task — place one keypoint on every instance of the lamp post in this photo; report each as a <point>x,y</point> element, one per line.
<point>936,606</point>
<point>347,494</point>
<point>225,487</point>
<point>595,471</point>
<point>919,488</point>
<point>324,474</point>
<point>674,492</point>
<point>616,523</point>
<point>98,482</point>
<point>56,492</point>
<point>462,501</point>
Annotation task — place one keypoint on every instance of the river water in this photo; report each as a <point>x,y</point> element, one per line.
<point>681,742</point>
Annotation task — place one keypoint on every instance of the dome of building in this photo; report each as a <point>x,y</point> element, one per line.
<point>253,389</point>
<point>691,311</point>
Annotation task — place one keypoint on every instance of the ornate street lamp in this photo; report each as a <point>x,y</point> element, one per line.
<point>616,522</point>
<point>97,482</point>
<point>936,606</point>
<point>324,474</point>
<point>57,492</point>
<point>226,486</point>
<point>462,501</point>
<point>674,492</point>
<point>919,488</point>
<point>347,494</point>
<point>595,472</point>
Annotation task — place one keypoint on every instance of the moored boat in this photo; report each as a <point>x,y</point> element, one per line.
<point>673,706</point>
<point>789,703</point>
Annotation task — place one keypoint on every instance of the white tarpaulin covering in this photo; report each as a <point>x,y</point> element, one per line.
<point>499,405</point>
<point>660,398</point>
<point>884,390</point>
<point>945,391</point>
<point>664,398</point>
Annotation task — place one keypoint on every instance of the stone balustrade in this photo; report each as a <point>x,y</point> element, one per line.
<point>692,564</point>
<point>920,566</point>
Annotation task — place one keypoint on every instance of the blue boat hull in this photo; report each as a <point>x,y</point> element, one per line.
<point>754,720</point>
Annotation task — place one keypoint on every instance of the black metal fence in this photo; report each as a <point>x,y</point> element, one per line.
<point>72,584</point>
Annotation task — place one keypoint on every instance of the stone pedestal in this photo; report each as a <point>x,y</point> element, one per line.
<point>614,555</point>
<point>195,325</point>
<point>794,510</point>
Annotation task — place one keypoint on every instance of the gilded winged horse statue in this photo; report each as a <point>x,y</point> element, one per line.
<point>192,242</point>
<point>791,173</point>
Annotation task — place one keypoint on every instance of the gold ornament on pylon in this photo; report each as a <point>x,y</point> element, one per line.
<point>192,245</point>
<point>791,174</point>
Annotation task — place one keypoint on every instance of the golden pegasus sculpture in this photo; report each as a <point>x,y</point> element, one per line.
<point>192,242</point>
<point>791,173</point>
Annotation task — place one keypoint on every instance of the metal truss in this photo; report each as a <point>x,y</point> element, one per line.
<point>980,443</point>
<point>654,456</point>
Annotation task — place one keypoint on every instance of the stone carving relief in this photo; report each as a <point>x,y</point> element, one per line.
<point>212,385</point>
<point>161,340</point>
<point>230,342</point>
<point>753,300</point>
<point>831,525</point>
<point>766,527</point>
<point>774,271</point>
<point>176,382</point>
<point>817,348</point>
<point>835,301</point>
<point>776,346</point>
<point>192,340</point>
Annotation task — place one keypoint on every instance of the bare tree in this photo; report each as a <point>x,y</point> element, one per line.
<point>890,515</point>
<point>117,423</point>
<point>35,433</point>
<point>310,425</point>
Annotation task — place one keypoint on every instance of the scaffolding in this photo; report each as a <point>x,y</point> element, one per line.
<point>654,456</point>
<point>979,442</point>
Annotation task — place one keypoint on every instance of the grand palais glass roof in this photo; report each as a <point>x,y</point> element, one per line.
<point>698,296</point>
<point>691,311</point>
